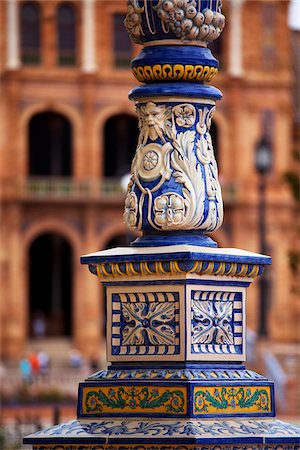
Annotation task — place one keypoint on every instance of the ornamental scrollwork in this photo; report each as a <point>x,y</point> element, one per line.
<point>148,324</point>
<point>152,161</point>
<point>213,322</point>
<point>135,399</point>
<point>130,210</point>
<point>230,398</point>
<point>174,173</point>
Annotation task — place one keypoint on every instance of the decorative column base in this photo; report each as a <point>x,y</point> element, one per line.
<point>176,340</point>
<point>164,434</point>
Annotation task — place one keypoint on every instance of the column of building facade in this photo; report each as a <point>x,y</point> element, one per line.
<point>12,36</point>
<point>235,66</point>
<point>88,37</point>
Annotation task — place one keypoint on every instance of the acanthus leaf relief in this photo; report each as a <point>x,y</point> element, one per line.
<point>186,160</point>
<point>213,322</point>
<point>148,324</point>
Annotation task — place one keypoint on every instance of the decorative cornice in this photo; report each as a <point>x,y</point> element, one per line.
<point>126,270</point>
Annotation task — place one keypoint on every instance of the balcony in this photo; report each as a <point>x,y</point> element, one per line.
<point>62,189</point>
<point>67,189</point>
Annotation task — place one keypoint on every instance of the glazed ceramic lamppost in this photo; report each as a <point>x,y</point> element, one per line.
<point>176,326</point>
<point>263,165</point>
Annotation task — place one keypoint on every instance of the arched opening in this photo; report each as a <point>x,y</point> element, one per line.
<point>50,145</point>
<point>50,286</point>
<point>120,140</point>
<point>30,33</point>
<point>66,35</point>
<point>215,140</point>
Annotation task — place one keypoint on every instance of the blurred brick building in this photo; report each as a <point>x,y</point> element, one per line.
<point>67,136</point>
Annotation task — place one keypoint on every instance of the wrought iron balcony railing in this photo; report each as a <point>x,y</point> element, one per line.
<point>67,188</point>
<point>64,188</point>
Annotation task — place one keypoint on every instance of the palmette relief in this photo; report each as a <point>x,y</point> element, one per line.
<point>174,147</point>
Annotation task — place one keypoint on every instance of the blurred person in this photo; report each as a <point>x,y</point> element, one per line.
<point>75,358</point>
<point>26,370</point>
<point>44,361</point>
<point>35,364</point>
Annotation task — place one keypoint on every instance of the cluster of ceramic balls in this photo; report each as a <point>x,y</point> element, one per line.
<point>187,23</point>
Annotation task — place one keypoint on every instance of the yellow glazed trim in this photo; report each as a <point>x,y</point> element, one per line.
<point>232,399</point>
<point>159,72</point>
<point>122,399</point>
<point>173,268</point>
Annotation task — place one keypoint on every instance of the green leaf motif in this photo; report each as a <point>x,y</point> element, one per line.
<point>134,398</point>
<point>231,398</point>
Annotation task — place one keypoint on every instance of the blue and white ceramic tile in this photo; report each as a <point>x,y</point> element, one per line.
<point>216,322</point>
<point>267,431</point>
<point>182,322</point>
<point>145,321</point>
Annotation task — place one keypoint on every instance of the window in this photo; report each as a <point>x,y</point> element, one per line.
<point>50,145</point>
<point>122,43</point>
<point>120,140</point>
<point>268,39</point>
<point>66,35</point>
<point>30,33</point>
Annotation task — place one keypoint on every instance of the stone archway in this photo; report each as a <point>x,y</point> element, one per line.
<point>50,286</point>
<point>54,227</point>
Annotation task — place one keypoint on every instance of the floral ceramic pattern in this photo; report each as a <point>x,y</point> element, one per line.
<point>130,211</point>
<point>175,374</point>
<point>141,399</point>
<point>185,115</point>
<point>148,323</point>
<point>169,210</point>
<point>174,428</point>
<point>174,173</point>
<point>214,322</point>
<point>231,400</point>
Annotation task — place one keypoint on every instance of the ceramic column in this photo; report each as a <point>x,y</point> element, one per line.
<point>176,325</point>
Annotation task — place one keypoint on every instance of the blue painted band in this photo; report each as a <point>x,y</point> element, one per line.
<point>179,89</point>
<point>174,54</point>
<point>174,238</point>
